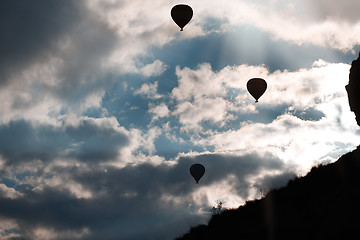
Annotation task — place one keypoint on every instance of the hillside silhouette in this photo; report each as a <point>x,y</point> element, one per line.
<point>324,204</point>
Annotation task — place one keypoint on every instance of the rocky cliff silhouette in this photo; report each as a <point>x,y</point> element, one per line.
<point>353,88</point>
<point>324,204</point>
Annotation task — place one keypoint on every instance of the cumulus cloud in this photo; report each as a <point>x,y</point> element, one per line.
<point>298,109</point>
<point>192,114</point>
<point>10,193</point>
<point>67,64</point>
<point>200,97</point>
<point>159,111</point>
<point>149,90</point>
<point>197,83</point>
<point>153,69</point>
<point>306,88</point>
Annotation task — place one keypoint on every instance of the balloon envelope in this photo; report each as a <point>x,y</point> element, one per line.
<point>197,171</point>
<point>256,87</point>
<point>181,14</point>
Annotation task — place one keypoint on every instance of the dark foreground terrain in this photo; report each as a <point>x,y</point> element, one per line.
<point>324,204</point>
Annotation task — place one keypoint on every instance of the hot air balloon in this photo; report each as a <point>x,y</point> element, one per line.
<point>181,14</point>
<point>256,87</point>
<point>197,170</point>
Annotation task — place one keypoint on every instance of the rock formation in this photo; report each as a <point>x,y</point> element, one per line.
<point>353,88</point>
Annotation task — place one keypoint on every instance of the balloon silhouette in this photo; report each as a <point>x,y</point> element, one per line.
<point>197,171</point>
<point>181,14</point>
<point>256,87</point>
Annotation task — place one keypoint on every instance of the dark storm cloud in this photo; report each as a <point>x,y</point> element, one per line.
<point>30,31</point>
<point>175,180</point>
<point>135,202</point>
<point>107,218</point>
<point>39,31</point>
<point>127,205</point>
<point>96,142</point>
<point>20,142</point>
<point>220,166</point>
<point>37,208</point>
<point>82,73</point>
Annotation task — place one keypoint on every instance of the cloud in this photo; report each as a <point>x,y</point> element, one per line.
<point>346,11</point>
<point>311,22</point>
<point>297,142</point>
<point>159,111</point>
<point>71,167</point>
<point>153,69</point>
<point>149,90</point>
<point>298,109</point>
<point>192,114</point>
<point>10,193</point>
<point>96,140</point>
<point>72,55</point>
<point>86,139</point>
<point>126,198</point>
<point>48,233</point>
<point>221,96</point>
<point>301,22</point>
<point>31,33</point>
<point>197,83</point>
<point>199,97</point>
<point>70,63</point>
<point>106,169</point>
<point>52,59</point>
<point>7,228</point>
<point>314,87</point>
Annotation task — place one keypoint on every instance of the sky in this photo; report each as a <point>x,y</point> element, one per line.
<point>105,105</point>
